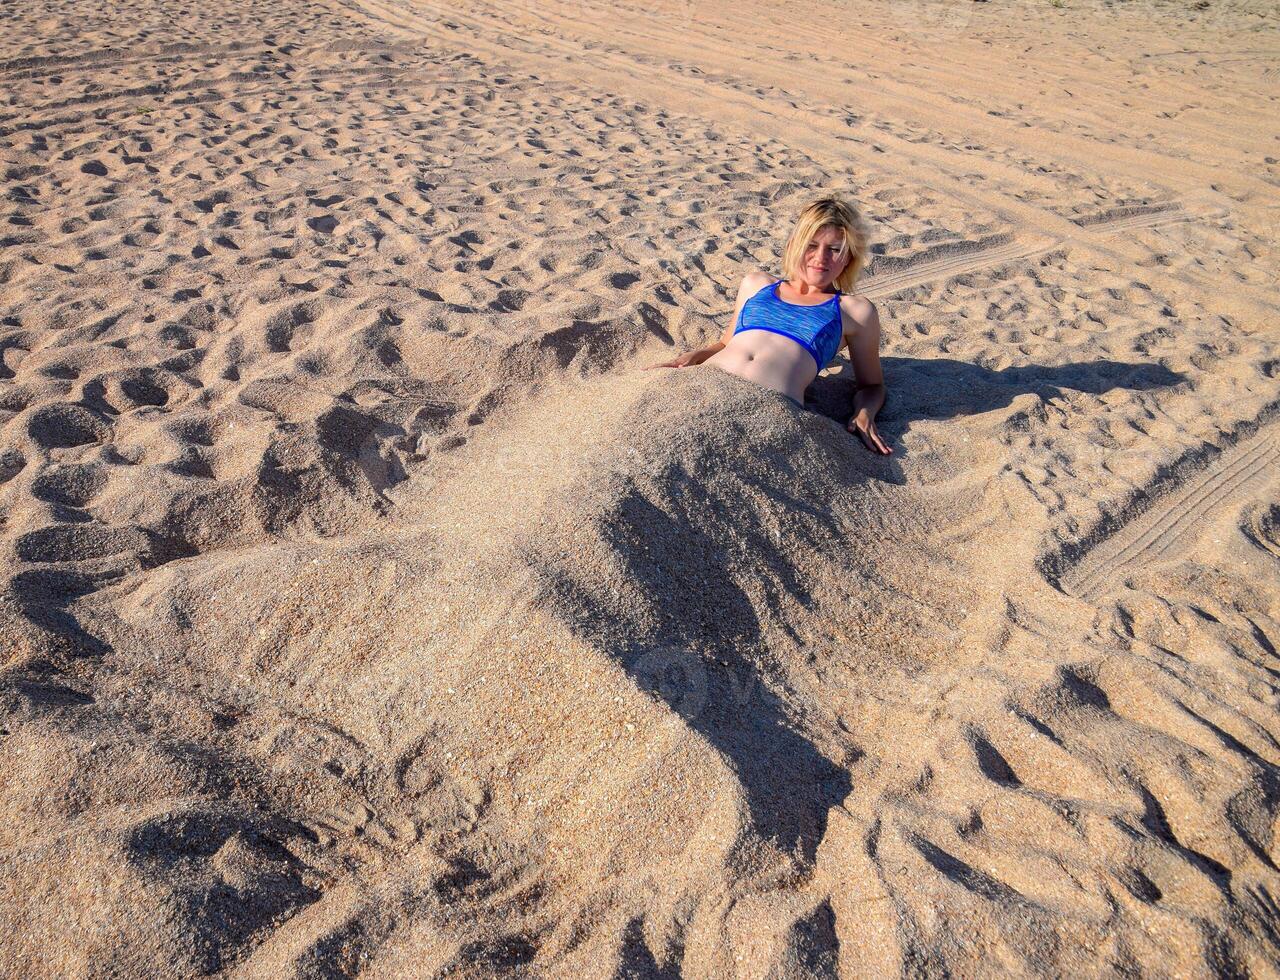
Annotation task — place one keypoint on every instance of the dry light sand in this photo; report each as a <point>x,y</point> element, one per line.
<point>368,610</point>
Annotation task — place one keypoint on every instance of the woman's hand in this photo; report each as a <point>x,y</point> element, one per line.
<point>691,358</point>
<point>864,427</point>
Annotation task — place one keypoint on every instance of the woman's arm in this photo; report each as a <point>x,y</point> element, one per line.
<point>863,342</point>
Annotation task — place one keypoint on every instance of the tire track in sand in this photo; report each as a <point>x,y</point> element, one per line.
<point>1144,216</point>
<point>1163,532</point>
<point>957,258</point>
<point>949,261</point>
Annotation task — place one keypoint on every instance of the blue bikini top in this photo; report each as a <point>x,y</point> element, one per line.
<point>818,329</point>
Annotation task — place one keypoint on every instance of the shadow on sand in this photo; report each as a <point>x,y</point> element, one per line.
<point>701,648</point>
<point>940,388</point>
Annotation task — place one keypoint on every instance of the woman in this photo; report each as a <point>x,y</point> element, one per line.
<point>784,331</point>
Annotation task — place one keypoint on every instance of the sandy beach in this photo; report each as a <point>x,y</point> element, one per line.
<point>369,610</point>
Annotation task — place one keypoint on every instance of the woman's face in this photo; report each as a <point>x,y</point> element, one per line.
<point>825,257</point>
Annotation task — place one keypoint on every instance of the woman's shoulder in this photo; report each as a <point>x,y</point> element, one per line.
<point>755,280</point>
<point>857,306</point>
<point>858,315</point>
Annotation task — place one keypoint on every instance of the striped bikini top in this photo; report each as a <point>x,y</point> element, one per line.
<point>818,329</point>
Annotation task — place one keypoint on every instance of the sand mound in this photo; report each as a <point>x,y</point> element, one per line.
<point>631,695</point>
<point>366,609</point>
<point>652,723</point>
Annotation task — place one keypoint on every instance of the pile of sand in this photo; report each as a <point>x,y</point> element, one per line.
<point>367,609</point>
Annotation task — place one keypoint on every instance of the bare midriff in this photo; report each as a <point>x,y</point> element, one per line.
<point>769,359</point>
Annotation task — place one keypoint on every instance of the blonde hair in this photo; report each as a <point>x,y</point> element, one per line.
<point>834,213</point>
